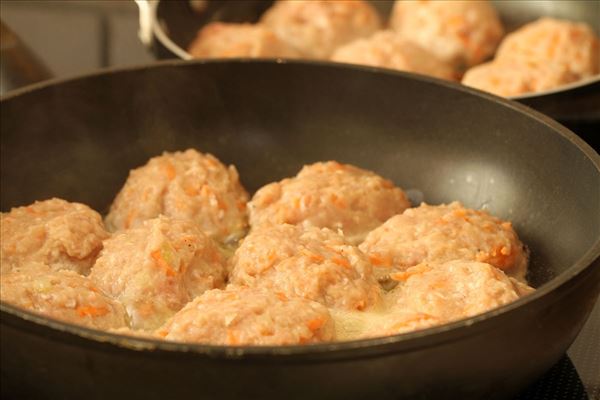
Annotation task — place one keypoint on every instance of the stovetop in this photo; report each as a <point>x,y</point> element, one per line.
<point>80,36</point>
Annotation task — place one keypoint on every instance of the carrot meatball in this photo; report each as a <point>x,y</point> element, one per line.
<point>63,295</point>
<point>249,316</point>
<point>400,321</point>
<point>317,27</point>
<point>224,40</point>
<point>388,50</point>
<point>184,185</point>
<point>461,33</point>
<point>433,294</point>
<point>54,232</point>
<point>313,263</point>
<point>443,233</point>
<point>562,44</point>
<point>455,289</point>
<point>156,268</point>
<point>507,79</point>
<point>329,195</point>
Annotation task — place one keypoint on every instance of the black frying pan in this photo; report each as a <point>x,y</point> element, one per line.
<point>77,139</point>
<point>170,26</point>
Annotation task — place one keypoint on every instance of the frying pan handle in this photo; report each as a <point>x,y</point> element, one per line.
<point>19,66</point>
<point>147,10</point>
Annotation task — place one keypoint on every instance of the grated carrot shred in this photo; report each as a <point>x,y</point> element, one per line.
<point>315,324</point>
<point>380,261</point>
<point>169,170</point>
<point>316,258</point>
<point>91,311</point>
<point>341,262</point>
<point>130,217</point>
<point>232,337</point>
<point>157,256</point>
<point>402,276</point>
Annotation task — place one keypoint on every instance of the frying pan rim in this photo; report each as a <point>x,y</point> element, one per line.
<point>179,51</point>
<point>409,340</point>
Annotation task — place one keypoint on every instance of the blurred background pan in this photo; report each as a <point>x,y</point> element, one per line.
<point>168,27</point>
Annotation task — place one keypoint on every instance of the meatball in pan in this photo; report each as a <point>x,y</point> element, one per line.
<point>316,27</point>
<point>225,40</point>
<point>63,295</point>
<point>184,185</point>
<point>444,233</point>
<point>53,232</point>
<point>559,43</point>
<point>461,33</point>
<point>156,268</point>
<point>312,263</point>
<point>329,195</point>
<point>387,49</point>
<point>249,316</point>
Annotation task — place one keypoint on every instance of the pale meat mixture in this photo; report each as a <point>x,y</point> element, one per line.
<point>541,55</point>
<point>249,316</point>
<point>506,79</point>
<point>454,289</point>
<point>387,49</point>
<point>291,281</point>
<point>64,295</point>
<point>54,232</point>
<point>329,195</point>
<point>571,45</point>
<point>313,263</point>
<point>223,40</point>
<point>316,27</point>
<point>185,185</point>
<point>461,33</point>
<point>156,268</point>
<point>443,233</point>
<point>431,294</point>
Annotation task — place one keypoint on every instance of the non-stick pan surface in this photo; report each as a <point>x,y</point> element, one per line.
<point>77,139</point>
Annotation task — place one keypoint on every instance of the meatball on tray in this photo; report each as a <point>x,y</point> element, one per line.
<point>170,27</point>
<point>77,139</point>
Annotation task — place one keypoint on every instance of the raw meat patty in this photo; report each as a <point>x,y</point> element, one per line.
<point>454,290</point>
<point>54,232</point>
<point>184,185</point>
<point>249,316</point>
<point>508,79</point>
<point>559,43</point>
<point>461,33</point>
<point>313,263</point>
<point>63,295</point>
<point>316,27</point>
<point>156,268</point>
<point>388,50</point>
<point>223,40</point>
<point>443,233</point>
<point>329,195</point>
